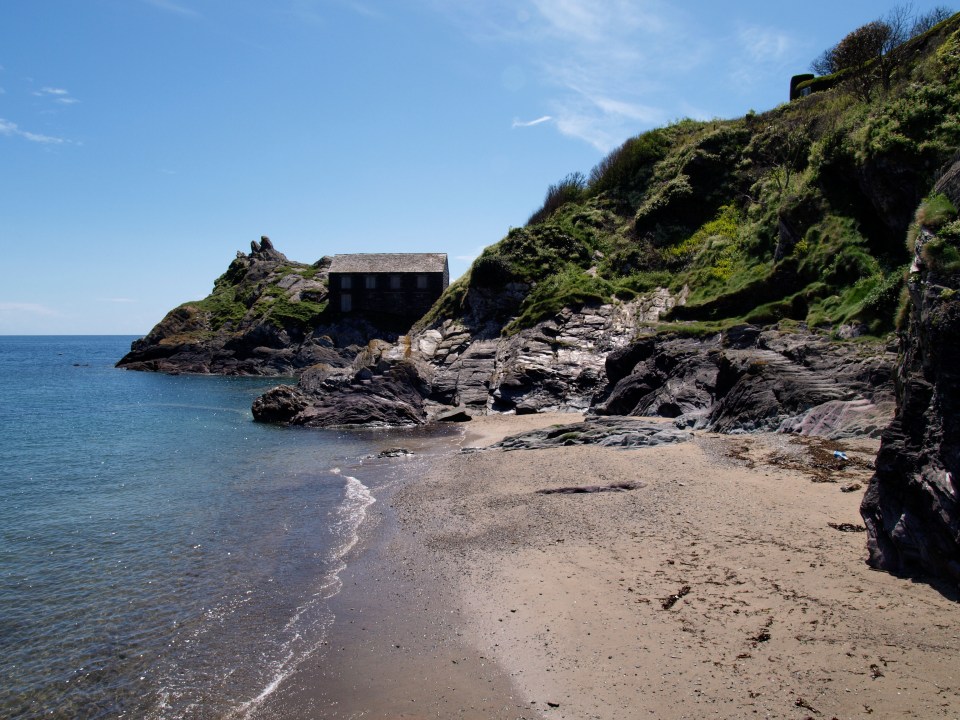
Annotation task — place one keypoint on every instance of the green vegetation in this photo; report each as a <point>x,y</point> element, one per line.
<point>571,287</point>
<point>798,214</point>
<point>236,300</point>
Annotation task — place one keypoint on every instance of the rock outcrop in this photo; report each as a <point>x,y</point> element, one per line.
<point>591,360</point>
<point>749,379</point>
<point>372,391</point>
<point>265,316</point>
<point>911,508</point>
<point>556,366</point>
<point>619,432</point>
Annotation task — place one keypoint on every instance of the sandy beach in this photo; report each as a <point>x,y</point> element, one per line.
<point>730,583</point>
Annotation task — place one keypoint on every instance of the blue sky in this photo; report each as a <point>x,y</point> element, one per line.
<point>144,142</point>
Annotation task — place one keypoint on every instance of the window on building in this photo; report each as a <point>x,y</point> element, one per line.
<point>370,282</point>
<point>345,282</point>
<point>394,282</point>
<point>421,282</point>
<point>346,302</point>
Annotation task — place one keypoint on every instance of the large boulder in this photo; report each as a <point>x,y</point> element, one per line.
<point>374,391</point>
<point>674,376</point>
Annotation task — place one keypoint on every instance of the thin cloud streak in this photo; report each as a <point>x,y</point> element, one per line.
<point>31,308</point>
<point>598,61</point>
<point>312,11</point>
<point>173,7</point>
<point>57,94</point>
<point>10,129</point>
<point>764,52</point>
<point>612,69</point>
<point>765,44</point>
<point>531,123</point>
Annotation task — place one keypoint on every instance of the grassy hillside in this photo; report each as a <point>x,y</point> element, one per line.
<point>240,298</point>
<point>800,213</point>
<point>258,295</point>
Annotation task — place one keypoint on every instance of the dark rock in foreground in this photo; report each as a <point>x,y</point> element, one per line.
<point>621,432</point>
<point>372,392</point>
<point>911,507</point>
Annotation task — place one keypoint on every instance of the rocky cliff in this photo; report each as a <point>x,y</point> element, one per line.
<point>597,360</point>
<point>911,508</point>
<point>266,316</point>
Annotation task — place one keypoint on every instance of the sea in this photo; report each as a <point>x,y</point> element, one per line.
<point>162,555</point>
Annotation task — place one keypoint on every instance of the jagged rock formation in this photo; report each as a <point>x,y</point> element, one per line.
<point>911,508</point>
<point>372,391</point>
<point>749,379</point>
<point>265,316</point>
<point>745,379</point>
<point>556,366</point>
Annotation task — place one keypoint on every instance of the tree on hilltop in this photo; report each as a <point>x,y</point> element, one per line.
<point>870,55</point>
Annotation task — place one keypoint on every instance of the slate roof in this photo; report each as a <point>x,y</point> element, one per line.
<point>389,263</point>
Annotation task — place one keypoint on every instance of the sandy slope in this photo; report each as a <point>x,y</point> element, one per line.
<point>775,613</point>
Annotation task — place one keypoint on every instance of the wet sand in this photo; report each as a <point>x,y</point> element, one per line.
<point>731,584</point>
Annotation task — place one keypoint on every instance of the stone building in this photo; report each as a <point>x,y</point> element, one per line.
<point>402,285</point>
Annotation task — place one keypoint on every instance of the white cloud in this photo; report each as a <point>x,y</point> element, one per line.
<point>599,62</point>
<point>28,308</point>
<point>597,22</point>
<point>620,108</point>
<point>173,7</point>
<point>57,94</point>
<point>313,11</point>
<point>764,44</point>
<point>11,129</point>
<point>363,8</point>
<point>530,123</point>
<point>764,52</point>
<point>603,121</point>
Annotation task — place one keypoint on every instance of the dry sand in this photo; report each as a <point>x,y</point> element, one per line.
<point>716,590</point>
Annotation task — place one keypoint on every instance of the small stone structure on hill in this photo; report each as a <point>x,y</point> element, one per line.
<point>397,284</point>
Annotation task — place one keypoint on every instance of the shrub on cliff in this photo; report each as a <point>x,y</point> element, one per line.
<point>491,271</point>
<point>570,189</point>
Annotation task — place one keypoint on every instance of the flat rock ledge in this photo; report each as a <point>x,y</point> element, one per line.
<point>621,432</point>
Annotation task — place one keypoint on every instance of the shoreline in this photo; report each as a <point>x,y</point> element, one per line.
<point>718,588</point>
<point>395,648</point>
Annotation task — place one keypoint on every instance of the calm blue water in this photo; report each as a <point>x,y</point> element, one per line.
<point>161,555</point>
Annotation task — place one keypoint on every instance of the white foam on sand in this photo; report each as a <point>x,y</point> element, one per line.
<point>350,516</point>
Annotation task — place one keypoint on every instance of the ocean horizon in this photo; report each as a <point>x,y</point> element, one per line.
<point>162,555</point>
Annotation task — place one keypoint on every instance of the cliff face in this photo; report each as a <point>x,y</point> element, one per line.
<point>593,360</point>
<point>266,316</point>
<point>911,508</point>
